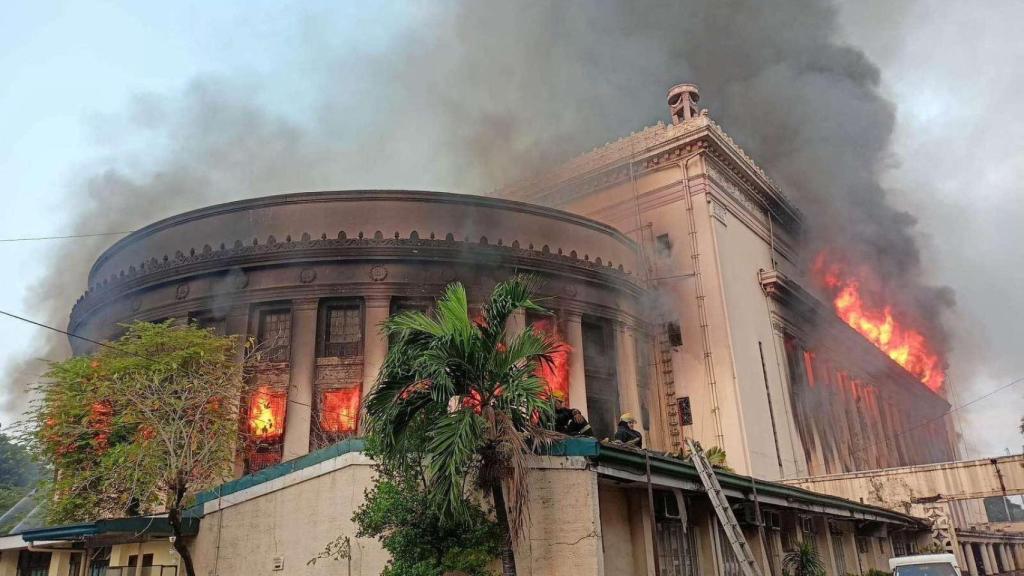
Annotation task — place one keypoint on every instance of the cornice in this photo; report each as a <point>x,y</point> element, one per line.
<point>354,196</point>
<point>650,149</point>
<point>307,250</point>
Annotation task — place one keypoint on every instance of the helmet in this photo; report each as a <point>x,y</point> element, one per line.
<point>627,417</point>
<point>558,395</point>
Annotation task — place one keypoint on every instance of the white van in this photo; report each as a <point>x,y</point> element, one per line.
<point>924,565</point>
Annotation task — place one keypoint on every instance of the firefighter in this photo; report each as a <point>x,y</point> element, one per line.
<point>625,432</point>
<point>569,421</point>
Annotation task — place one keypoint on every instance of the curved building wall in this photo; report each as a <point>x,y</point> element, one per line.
<point>312,275</point>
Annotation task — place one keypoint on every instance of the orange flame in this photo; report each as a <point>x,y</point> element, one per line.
<point>906,346</point>
<point>556,374</point>
<point>266,414</point>
<point>340,410</point>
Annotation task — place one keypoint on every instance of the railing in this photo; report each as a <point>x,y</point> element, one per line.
<point>141,571</point>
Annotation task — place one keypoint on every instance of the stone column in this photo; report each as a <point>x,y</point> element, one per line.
<point>302,372</point>
<point>1018,555</point>
<point>629,392</point>
<point>577,375</point>
<point>1008,564</point>
<point>969,562</point>
<point>375,342</point>
<point>989,558</point>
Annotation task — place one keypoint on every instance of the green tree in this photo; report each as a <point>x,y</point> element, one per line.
<point>141,425</point>
<point>468,398</point>
<point>803,561</point>
<point>399,512</point>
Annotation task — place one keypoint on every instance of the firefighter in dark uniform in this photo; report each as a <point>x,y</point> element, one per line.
<point>569,421</point>
<point>625,432</point>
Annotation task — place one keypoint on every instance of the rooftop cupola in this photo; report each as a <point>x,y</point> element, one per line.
<point>682,102</point>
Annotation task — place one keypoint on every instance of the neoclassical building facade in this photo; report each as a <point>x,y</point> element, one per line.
<point>311,276</point>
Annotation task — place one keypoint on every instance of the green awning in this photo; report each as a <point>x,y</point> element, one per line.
<point>150,526</point>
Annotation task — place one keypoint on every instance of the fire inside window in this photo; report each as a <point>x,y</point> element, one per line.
<point>339,411</point>
<point>275,334</point>
<point>266,428</point>
<point>555,374</point>
<point>343,331</point>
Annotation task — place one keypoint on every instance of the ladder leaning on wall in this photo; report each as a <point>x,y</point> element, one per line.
<point>730,526</point>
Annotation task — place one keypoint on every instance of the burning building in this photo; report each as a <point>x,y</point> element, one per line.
<point>311,277</point>
<point>673,266</point>
<point>787,366</point>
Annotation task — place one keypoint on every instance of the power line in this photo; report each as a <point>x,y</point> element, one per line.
<point>940,416</point>
<point>73,335</point>
<point>108,346</point>
<point>94,235</point>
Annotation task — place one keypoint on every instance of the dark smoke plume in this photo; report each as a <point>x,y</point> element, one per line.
<point>482,93</point>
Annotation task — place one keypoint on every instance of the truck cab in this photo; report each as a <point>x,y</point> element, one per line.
<point>924,565</point>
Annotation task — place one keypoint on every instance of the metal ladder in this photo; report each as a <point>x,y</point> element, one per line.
<point>730,526</point>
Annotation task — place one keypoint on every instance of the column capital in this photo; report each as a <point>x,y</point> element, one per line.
<point>377,300</point>
<point>572,315</point>
<point>305,303</point>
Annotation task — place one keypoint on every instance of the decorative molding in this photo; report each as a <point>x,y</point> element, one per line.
<point>650,149</point>
<point>341,196</point>
<point>378,272</point>
<point>719,212</point>
<point>307,275</point>
<point>157,271</point>
<point>181,292</point>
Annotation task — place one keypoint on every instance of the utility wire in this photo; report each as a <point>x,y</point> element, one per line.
<point>32,238</point>
<point>106,345</point>
<point>940,416</point>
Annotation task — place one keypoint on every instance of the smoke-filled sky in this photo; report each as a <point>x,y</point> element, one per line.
<point>870,115</point>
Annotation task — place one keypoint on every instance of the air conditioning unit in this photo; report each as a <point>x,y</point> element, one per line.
<point>746,514</point>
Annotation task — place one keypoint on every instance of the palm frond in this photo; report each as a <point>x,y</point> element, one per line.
<point>453,444</point>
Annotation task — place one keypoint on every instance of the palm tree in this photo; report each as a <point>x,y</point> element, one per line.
<point>468,396</point>
<point>803,561</point>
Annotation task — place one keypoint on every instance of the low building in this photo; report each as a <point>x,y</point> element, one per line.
<point>589,516</point>
<point>950,495</point>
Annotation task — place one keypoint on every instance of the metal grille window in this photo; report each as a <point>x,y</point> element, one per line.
<point>342,331</point>
<point>685,411</point>
<point>675,542</point>
<point>730,564</point>
<point>837,552</point>
<point>275,334</point>
<point>33,563</point>
<point>899,547</point>
<point>862,545</point>
<point>99,562</point>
